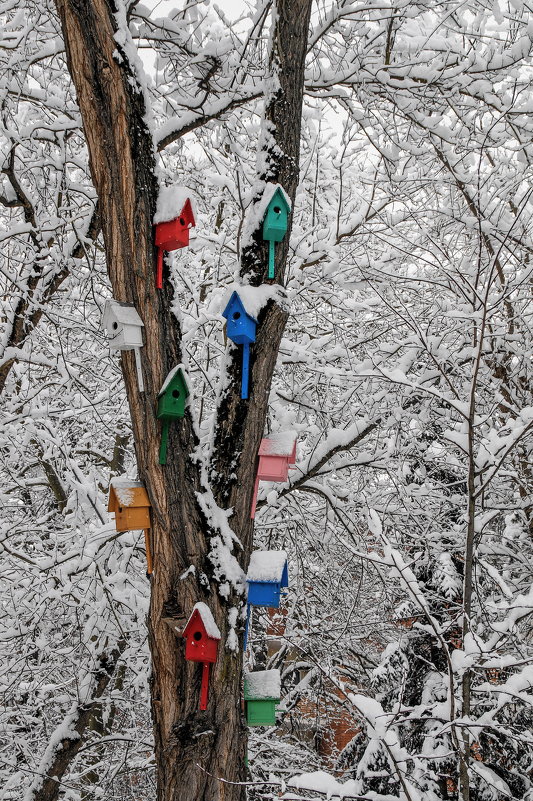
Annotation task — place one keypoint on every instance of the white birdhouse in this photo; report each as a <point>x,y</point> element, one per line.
<point>123,324</point>
<point>124,331</point>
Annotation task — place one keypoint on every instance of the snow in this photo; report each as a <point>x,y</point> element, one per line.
<point>170,202</point>
<point>266,566</point>
<point>125,313</point>
<point>122,487</point>
<point>171,375</point>
<point>322,782</point>
<point>208,620</point>
<point>280,444</point>
<point>262,685</point>
<point>254,298</point>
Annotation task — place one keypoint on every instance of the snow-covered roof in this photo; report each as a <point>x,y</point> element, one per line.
<point>170,202</point>
<point>281,444</point>
<point>124,489</point>
<point>170,376</point>
<point>262,685</point>
<point>123,312</point>
<point>253,298</point>
<point>267,566</point>
<point>208,620</point>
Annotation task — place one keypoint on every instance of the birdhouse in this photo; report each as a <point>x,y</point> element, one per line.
<point>171,403</point>
<point>275,222</point>
<point>202,637</point>
<point>173,219</point>
<point>124,330</point>
<point>267,575</point>
<point>128,499</point>
<point>262,691</point>
<point>276,453</point>
<point>173,395</point>
<point>240,328</point>
<point>123,325</point>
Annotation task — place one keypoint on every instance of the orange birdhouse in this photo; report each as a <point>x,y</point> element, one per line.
<point>128,499</point>
<point>173,219</point>
<point>276,453</point>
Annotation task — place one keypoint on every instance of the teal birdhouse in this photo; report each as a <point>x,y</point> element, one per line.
<point>262,691</point>
<point>171,403</point>
<point>275,223</point>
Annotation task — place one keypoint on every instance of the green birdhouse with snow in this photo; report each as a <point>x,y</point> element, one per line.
<point>262,691</point>
<point>171,403</point>
<point>276,220</point>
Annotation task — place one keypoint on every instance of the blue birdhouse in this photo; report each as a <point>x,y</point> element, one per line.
<point>267,575</point>
<point>240,328</point>
<point>275,224</point>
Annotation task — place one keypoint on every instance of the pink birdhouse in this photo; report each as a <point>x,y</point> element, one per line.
<point>173,220</point>
<point>202,637</point>
<point>276,453</point>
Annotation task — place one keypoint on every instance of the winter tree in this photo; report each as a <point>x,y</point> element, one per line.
<point>395,339</point>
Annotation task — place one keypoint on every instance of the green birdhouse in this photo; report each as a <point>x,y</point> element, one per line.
<point>275,223</point>
<point>262,690</point>
<point>171,405</point>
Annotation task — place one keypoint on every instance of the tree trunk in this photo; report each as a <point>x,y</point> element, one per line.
<point>194,750</point>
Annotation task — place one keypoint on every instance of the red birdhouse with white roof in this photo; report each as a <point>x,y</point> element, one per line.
<point>276,453</point>
<point>202,637</point>
<point>173,220</point>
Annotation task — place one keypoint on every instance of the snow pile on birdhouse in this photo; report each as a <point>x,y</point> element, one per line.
<point>171,375</point>
<point>267,566</point>
<point>211,628</point>
<point>254,298</point>
<point>280,444</point>
<point>124,489</point>
<point>171,201</point>
<point>262,684</point>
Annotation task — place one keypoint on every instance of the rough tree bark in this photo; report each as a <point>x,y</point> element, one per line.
<point>193,749</point>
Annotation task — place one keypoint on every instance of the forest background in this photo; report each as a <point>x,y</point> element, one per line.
<point>398,345</point>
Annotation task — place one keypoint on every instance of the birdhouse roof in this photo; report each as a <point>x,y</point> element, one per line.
<point>281,444</point>
<point>124,491</point>
<point>268,566</point>
<point>176,376</point>
<point>277,194</point>
<point>235,301</point>
<point>125,313</point>
<point>175,201</point>
<point>262,685</point>
<point>202,611</point>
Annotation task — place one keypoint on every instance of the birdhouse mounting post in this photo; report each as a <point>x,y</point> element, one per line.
<point>159,271</point>
<point>149,563</point>
<point>247,626</point>
<point>245,369</point>
<point>138,366</point>
<point>205,685</point>
<point>164,443</point>
<point>271,252</point>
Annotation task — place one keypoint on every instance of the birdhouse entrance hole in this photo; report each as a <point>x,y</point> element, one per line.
<point>115,326</point>
<point>277,210</point>
<point>236,315</point>
<point>197,635</point>
<point>175,393</point>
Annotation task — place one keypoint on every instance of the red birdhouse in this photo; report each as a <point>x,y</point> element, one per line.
<point>202,637</point>
<point>276,453</point>
<point>173,219</point>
